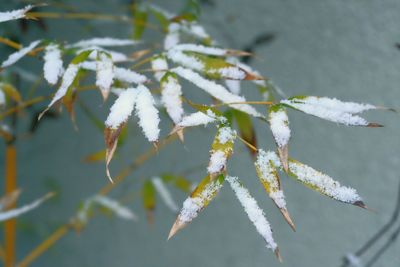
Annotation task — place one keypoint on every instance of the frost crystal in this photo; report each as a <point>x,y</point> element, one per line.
<point>217,162</point>
<point>53,65</point>
<point>279,123</point>
<point>147,113</point>
<point>171,98</point>
<point>164,194</point>
<point>14,14</point>
<point>254,212</point>
<point>122,108</point>
<point>216,90</point>
<point>14,57</point>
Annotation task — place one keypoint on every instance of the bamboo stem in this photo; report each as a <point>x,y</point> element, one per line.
<point>10,186</point>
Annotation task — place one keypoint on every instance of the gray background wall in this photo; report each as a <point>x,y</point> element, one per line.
<point>344,49</point>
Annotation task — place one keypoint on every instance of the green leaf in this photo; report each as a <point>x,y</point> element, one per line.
<point>139,22</point>
<point>246,128</point>
<point>82,56</point>
<point>149,199</point>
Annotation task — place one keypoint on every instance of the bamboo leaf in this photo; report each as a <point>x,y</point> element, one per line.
<point>268,174</point>
<point>139,22</point>
<point>279,124</point>
<point>246,129</point>
<point>198,200</point>
<point>10,92</point>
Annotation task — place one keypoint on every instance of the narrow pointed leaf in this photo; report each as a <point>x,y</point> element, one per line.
<point>254,212</point>
<point>147,113</point>
<point>198,200</point>
<point>171,93</point>
<point>246,129</point>
<point>139,22</point>
<point>104,73</point>
<point>16,56</point>
<point>279,124</point>
<point>164,194</point>
<point>149,199</point>
<point>269,178</point>
<point>15,14</point>
<point>10,92</point>
<point>53,64</point>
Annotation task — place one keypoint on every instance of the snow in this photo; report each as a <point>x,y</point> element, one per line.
<point>324,183</point>
<point>197,118</point>
<point>265,165</point>
<point>104,73</point>
<point>254,212</point>
<point>331,109</point>
<point>193,205</point>
<point>187,61</point>
<point>103,42</point>
<point>354,260</point>
<point>173,36</point>
<point>122,108</point>
<point>226,134</point>
<point>24,209</point>
<point>216,90</point>
<point>195,30</point>
<point>67,80</point>
<point>164,193</point>
<point>233,86</point>
<point>159,65</point>
<point>89,65</point>
<point>14,14</point>
<point>129,76</point>
<point>171,98</point>
<point>53,65</point>
<point>147,113</point>
<point>279,124</point>
<point>212,51</point>
<point>217,162</point>
<point>116,56</point>
<point>14,57</point>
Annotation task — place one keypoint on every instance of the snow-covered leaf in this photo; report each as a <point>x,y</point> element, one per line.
<point>171,93</point>
<point>53,64</point>
<point>103,42</point>
<point>68,78</point>
<point>221,150</point>
<point>129,76</point>
<point>159,65</point>
<point>120,111</point>
<point>331,109</point>
<point>255,213</point>
<point>14,57</point>
<point>269,178</point>
<point>212,67</point>
<point>279,124</point>
<point>207,50</point>
<point>104,73</point>
<point>6,215</point>
<point>198,200</point>
<point>164,193</point>
<point>216,90</point>
<point>15,14</point>
<point>147,114</point>
<point>173,36</point>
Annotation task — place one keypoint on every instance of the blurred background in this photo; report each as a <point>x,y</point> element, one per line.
<point>341,48</point>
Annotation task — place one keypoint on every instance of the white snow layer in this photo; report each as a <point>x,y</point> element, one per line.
<point>193,205</point>
<point>147,113</point>
<point>217,162</point>
<point>14,57</point>
<point>226,134</point>
<point>265,164</point>
<point>279,124</point>
<point>53,65</point>
<point>331,109</point>
<point>212,51</point>
<point>14,14</point>
<point>122,108</point>
<point>115,206</point>
<point>104,73</point>
<point>216,90</point>
<point>171,98</point>
<point>19,211</point>
<point>129,76</point>
<point>164,193</point>
<point>67,79</point>
<point>233,86</point>
<point>103,42</point>
<point>197,118</point>
<point>159,65</point>
<point>254,212</point>
<point>173,36</point>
